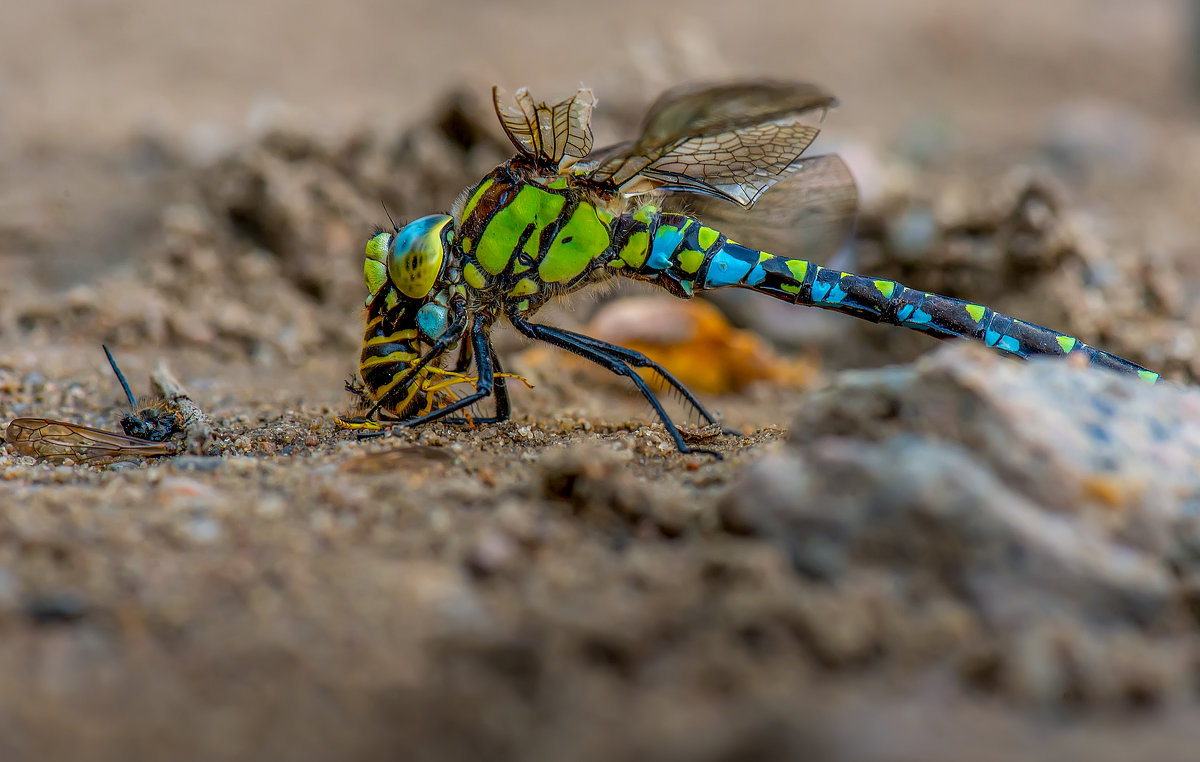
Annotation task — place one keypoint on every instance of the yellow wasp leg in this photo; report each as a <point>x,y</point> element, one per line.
<point>434,391</point>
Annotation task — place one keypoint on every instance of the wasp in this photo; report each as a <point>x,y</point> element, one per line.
<point>154,429</point>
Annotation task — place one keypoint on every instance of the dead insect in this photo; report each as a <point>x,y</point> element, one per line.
<point>150,431</point>
<point>153,419</point>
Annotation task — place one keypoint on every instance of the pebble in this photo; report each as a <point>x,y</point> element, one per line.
<point>912,233</point>
<point>57,608</point>
<point>197,463</point>
<point>203,530</point>
<point>491,553</point>
<point>1085,134</point>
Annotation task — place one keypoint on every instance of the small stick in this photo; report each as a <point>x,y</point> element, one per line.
<point>196,422</point>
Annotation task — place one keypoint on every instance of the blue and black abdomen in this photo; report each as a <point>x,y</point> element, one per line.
<point>684,256</point>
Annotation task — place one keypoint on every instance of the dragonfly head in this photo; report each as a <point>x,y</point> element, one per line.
<point>412,260</point>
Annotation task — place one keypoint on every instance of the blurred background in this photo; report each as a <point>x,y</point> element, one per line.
<point>95,70</point>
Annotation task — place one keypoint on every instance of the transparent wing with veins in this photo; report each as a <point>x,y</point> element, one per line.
<point>808,215</point>
<point>62,441</point>
<point>549,133</point>
<point>730,141</point>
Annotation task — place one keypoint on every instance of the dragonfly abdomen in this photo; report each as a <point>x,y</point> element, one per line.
<point>684,256</point>
<point>669,250</point>
<point>944,317</point>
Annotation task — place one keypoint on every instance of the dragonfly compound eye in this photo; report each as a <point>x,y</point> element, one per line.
<point>375,265</point>
<point>417,255</point>
<point>433,320</point>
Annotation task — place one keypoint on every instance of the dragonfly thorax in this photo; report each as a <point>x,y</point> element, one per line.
<point>524,235</point>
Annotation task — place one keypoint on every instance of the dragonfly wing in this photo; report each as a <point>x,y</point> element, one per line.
<point>735,166</point>
<point>547,132</point>
<point>60,440</point>
<point>731,141</point>
<point>572,121</point>
<point>807,215</point>
<point>520,123</point>
<point>709,109</point>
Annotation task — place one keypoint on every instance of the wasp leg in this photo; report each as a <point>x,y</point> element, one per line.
<point>483,386</point>
<point>452,334</point>
<point>592,350</point>
<point>364,428</point>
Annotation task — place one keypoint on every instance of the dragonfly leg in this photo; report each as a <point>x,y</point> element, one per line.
<point>639,360</point>
<point>613,362</point>
<point>483,387</point>
<point>443,343</point>
<point>499,391</point>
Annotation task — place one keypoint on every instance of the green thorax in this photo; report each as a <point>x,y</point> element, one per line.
<point>522,233</point>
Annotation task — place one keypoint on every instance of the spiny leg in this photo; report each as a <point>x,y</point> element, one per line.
<point>500,391</point>
<point>639,360</point>
<point>443,343</point>
<point>568,341</point>
<point>483,387</point>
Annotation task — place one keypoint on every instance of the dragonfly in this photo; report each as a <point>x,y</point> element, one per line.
<point>559,216</point>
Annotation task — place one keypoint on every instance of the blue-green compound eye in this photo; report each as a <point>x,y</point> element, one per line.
<point>375,265</point>
<point>417,255</point>
<point>432,320</point>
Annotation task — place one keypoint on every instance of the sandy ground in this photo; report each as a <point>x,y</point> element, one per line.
<point>191,183</point>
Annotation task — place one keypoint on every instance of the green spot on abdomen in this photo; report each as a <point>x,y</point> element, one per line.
<point>690,260</point>
<point>798,268</point>
<point>1066,342</point>
<point>1148,376</point>
<point>886,287</point>
<point>646,213</point>
<point>706,237</point>
<point>634,252</point>
<point>975,311</point>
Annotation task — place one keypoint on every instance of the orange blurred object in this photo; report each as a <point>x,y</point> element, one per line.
<point>694,341</point>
